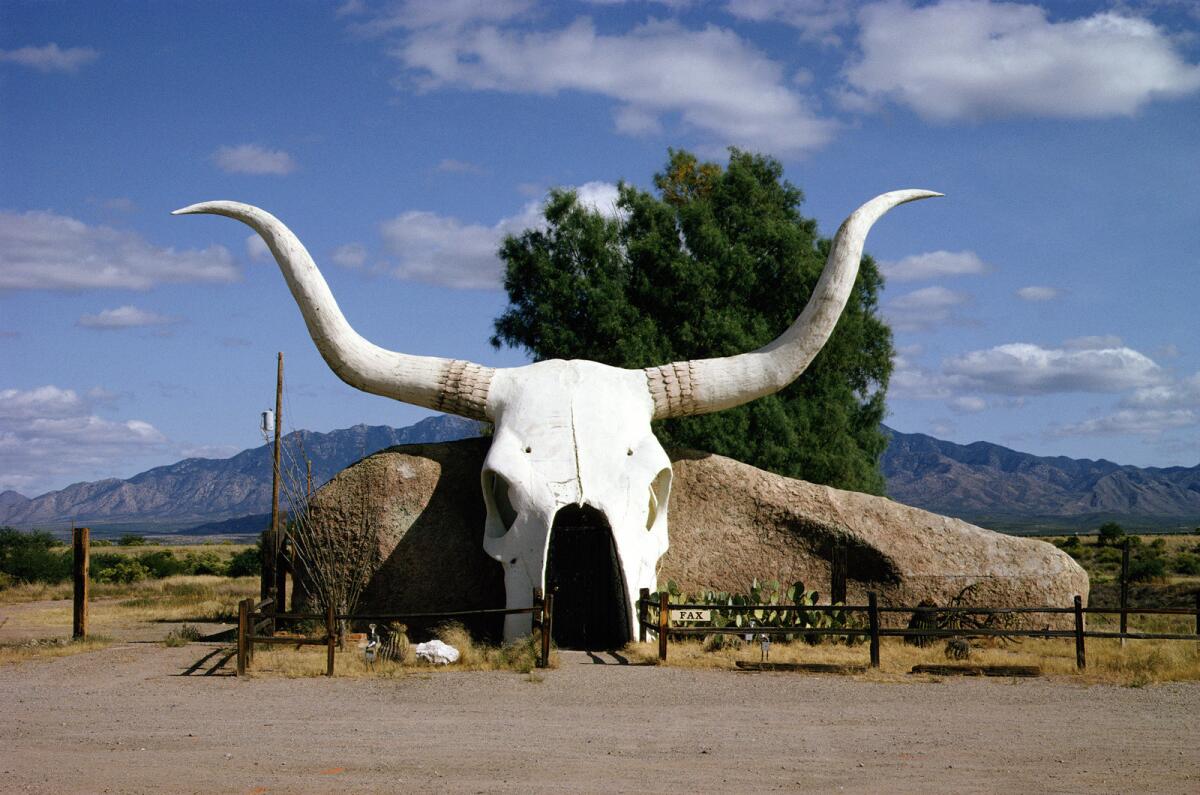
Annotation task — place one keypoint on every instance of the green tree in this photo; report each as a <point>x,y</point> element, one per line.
<point>720,262</point>
<point>1110,533</point>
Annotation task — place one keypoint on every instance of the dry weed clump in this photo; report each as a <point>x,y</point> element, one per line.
<point>1139,663</point>
<point>305,661</point>
<point>48,648</point>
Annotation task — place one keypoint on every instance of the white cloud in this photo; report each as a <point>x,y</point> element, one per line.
<point>967,404</point>
<point>124,317</point>
<point>253,159</point>
<point>439,249</point>
<point>448,15</point>
<point>43,250</point>
<point>1037,293</point>
<point>817,20</point>
<point>351,255</point>
<point>1132,422</point>
<point>351,8</point>
<point>934,264</point>
<point>48,434</point>
<point>1024,369</point>
<point>973,59</point>
<point>1094,342</point>
<point>925,308</point>
<point>912,381</point>
<point>1183,393</point>
<point>716,82</point>
<point>50,57</point>
<point>256,249</point>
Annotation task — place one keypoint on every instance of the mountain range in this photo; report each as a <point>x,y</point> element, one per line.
<point>984,483</point>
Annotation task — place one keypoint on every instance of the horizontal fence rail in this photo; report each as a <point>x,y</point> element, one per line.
<point>257,617</point>
<point>660,623</point>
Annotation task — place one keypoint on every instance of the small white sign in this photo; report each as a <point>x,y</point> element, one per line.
<point>691,615</point>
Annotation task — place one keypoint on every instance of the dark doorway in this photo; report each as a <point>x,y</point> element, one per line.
<point>591,605</point>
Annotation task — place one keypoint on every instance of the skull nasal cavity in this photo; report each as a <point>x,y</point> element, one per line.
<point>496,492</point>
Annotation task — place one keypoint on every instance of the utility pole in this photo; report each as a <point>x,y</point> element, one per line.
<point>279,586</point>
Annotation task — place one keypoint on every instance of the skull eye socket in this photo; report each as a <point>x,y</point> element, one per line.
<point>660,492</point>
<point>496,492</point>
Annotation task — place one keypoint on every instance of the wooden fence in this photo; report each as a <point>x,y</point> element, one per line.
<point>659,623</point>
<point>256,618</point>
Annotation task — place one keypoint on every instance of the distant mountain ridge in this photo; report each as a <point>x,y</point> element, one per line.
<point>998,487</point>
<point>984,483</point>
<point>206,490</point>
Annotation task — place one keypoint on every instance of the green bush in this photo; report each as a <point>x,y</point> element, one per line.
<point>1108,555</point>
<point>36,556</point>
<point>1110,533</point>
<point>162,563</point>
<point>123,570</point>
<point>131,540</point>
<point>247,563</point>
<point>204,563</point>
<point>1147,567</point>
<point>1186,563</point>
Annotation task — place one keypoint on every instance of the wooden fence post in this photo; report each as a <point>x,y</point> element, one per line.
<point>1080,659</point>
<point>837,575</point>
<point>1125,589</point>
<point>643,613</point>
<point>873,618</point>
<point>243,621</point>
<point>266,576</point>
<point>547,628</point>
<point>664,615</point>
<point>330,637</point>
<point>80,539</point>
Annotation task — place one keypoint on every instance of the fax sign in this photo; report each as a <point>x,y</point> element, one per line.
<point>691,615</point>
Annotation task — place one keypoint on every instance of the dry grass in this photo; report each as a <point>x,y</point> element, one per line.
<point>1139,663</point>
<point>222,551</point>
<point>306,661</point>
<point>198,599</point>
<point>50,648</point>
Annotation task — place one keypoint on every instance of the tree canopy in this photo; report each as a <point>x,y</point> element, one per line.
<point>720,262</point>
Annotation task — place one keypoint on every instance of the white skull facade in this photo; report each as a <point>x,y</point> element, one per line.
<point>572,440</point>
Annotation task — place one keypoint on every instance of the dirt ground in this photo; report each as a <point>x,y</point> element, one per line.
<point>141,717</point>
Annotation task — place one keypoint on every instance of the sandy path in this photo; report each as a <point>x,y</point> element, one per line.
<point>124,720</point>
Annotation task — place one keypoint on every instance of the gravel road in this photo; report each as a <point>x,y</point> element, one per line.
<point>132,719</point>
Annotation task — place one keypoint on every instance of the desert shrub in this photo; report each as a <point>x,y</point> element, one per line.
<point>33,557</point>
<point>246,563</point>
<point>206,562</point>
<point>1186,563</point>
<point>1144,567</point>
<point>182,636</point>
<point>131,540</point>
<point>6,580</point>
<point>162,563</point>
<point>1110,533</point>
<point>122,570</point>
<point>1108,556</point>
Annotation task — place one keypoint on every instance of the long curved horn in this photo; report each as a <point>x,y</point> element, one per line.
<point>681,389</point>
<point>450,385</point>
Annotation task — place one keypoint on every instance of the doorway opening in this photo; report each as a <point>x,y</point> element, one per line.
<point>591,604</point>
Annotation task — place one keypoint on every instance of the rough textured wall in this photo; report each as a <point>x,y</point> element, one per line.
<point>729,523</point>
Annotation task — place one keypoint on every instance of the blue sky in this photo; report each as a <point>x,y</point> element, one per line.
<point>1047,303</point>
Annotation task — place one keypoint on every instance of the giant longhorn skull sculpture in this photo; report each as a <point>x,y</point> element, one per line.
<point>569,433</point>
